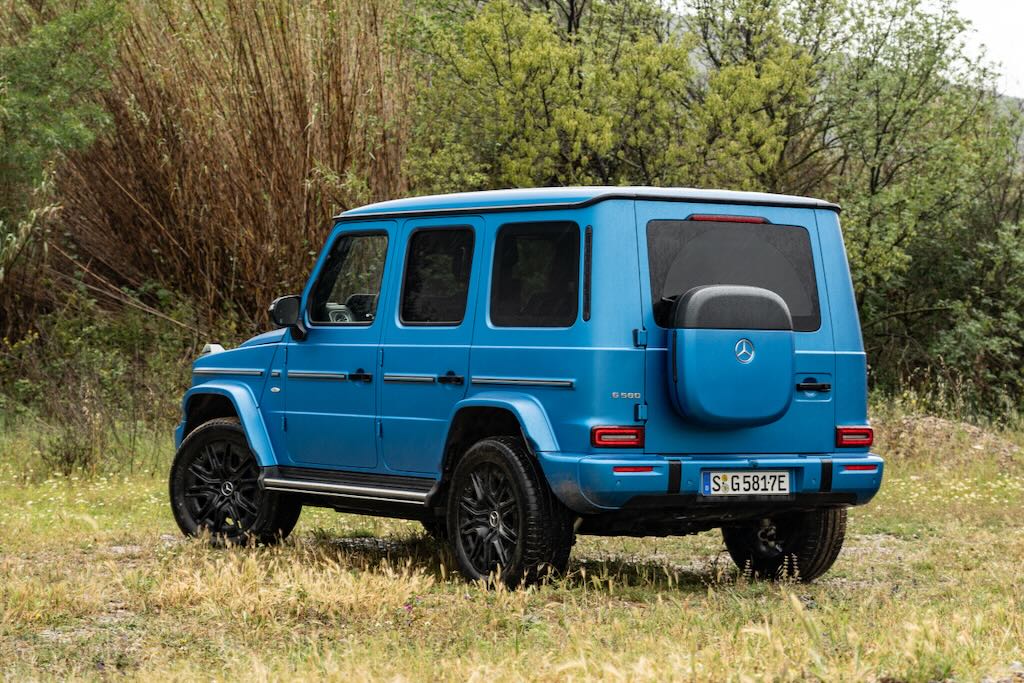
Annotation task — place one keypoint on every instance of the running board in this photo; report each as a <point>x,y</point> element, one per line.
<point>356,486</point>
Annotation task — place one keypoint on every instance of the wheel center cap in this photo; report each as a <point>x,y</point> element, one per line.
<point>494,518</point>
<point>227,488</point>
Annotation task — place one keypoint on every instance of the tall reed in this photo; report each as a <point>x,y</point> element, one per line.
<point>238,129</point>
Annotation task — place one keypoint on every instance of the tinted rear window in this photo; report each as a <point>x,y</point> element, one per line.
<point>536,275</point>
<point>437,276</point>
<point>687,254</point>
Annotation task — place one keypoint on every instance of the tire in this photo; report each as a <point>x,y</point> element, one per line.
<point>504,523</point>
<point>214,488</point>
<point>436,528</point>
<point>800,545</point>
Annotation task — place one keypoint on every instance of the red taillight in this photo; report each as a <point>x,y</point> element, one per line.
<point>617,437</point>
<point>726,219</point>
<point>623,469</point>
<point>860,468</point>
<point>847,437</point>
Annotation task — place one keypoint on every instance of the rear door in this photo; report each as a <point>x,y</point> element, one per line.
<point>686,245</point>
<point>427,340</point>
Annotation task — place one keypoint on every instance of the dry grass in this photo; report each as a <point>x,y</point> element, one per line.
<point>95,582</point>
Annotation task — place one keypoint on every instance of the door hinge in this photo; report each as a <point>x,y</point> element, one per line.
<point>380,428</point>
<point>640,338</point>
<point>380,357</point>
<point>640,412</point>
<point>284,423</point>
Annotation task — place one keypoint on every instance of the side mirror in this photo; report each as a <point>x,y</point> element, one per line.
<point>286,311</point>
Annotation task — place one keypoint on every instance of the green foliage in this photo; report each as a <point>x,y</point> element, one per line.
<point>984,336</point>
<point>53,60</point>
<point>515,101</point>
<point>94,383</point>
<point>873,104</point>
<point>911,107</point>
<point>230,132</point>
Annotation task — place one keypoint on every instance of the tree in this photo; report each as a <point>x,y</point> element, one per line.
<point>515,99</point>
<point>53,60</point>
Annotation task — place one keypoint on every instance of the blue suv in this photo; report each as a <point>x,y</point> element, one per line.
<point>514,368</point>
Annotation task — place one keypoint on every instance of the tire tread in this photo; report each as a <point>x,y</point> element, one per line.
<point>548,530</point>
<point>822,534</point>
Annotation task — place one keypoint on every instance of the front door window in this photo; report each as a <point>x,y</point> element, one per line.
<point>349,286</point>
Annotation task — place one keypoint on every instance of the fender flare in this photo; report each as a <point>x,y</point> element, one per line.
<point>247,409</point>
<point>532,417</point>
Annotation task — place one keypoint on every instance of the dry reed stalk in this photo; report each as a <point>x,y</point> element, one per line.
<point>239,129</point>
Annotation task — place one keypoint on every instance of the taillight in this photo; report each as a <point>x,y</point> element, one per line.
<point>617,437</point>
<point>726,219</point>
<point>632,469</point>
<point>848,437</point>
<point>860,468</point>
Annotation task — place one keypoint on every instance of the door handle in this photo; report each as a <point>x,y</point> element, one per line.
<point>360,376</point>
<point>823,387</point>
<point>450,378</point>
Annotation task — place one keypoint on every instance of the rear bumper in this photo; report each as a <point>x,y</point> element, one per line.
<point>588,483</point>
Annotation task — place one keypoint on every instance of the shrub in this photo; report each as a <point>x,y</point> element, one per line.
<point>94,387</point>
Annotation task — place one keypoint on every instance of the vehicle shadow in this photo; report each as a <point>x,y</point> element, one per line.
<point>610,573</point>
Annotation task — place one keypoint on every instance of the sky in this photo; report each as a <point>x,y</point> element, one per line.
<point>999,26</point>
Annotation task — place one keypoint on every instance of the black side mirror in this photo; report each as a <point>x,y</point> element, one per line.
<point>286,311</point>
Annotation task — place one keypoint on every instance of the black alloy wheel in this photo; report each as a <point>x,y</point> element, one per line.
<point>215,489</point>
<point>504,523</point>
<point>488,513</point>
<point>222,489</point>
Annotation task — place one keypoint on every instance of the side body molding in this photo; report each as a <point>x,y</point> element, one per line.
<point>248,411</point>
<point>528,410</point>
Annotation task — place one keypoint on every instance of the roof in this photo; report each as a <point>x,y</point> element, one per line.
<point>571,197</point>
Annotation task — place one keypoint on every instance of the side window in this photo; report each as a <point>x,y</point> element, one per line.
<point>347,290</point>
<point>536,275</point>
<point>436,282</point>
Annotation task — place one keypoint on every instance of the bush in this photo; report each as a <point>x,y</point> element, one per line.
<point>94,387</point>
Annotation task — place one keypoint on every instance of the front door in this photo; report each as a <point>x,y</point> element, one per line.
<point>331,376</point>
<point>427,340</point>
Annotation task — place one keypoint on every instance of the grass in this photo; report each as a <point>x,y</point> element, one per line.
<point>95,582</point>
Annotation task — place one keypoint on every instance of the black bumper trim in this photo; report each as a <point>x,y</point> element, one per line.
<point>675,475</point>
<point>826,475</point>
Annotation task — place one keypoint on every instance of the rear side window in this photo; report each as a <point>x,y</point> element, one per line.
<point>436,282</point>
<point>687,254</point>
<point>536,275</point>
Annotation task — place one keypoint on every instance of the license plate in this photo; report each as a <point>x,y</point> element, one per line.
<point>745,483</point>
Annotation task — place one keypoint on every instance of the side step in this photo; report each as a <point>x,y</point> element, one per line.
<point>351,486</point>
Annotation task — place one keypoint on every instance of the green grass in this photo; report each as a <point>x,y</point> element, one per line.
<point>95,581</point>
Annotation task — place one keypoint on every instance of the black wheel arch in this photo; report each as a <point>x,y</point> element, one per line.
<point>202,408</point>
<point>470,425</point>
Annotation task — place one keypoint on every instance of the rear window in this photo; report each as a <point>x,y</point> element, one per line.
<point>687,254</point>
<point>535,281</point>
<point>437,276</point>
